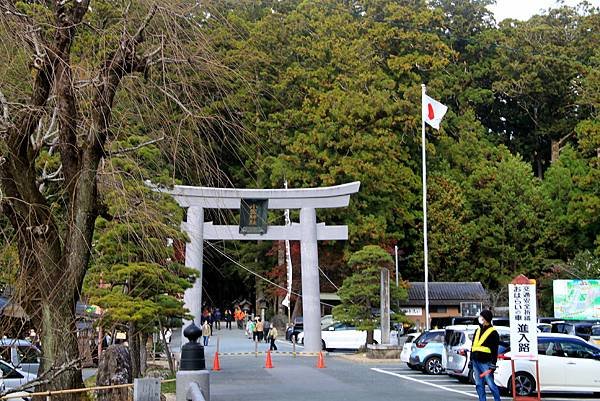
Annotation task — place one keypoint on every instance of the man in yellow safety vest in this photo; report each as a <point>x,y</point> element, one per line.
<point>484,355</point>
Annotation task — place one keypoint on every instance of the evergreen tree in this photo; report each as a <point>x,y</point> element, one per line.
<point>360,293</point>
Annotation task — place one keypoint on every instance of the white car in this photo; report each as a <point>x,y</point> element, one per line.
<point>345,336</point>
<point>567,364</point>
<point>12,377</point>
<point>407,347</point>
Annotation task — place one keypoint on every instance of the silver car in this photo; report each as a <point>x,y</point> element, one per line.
<point>20,354</point>
<point>11,377</point>
<point>456,354</point>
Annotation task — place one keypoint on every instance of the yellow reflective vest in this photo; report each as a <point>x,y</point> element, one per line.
<point>478,342</point>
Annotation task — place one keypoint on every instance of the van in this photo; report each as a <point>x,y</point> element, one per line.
<point>579,329</point>
<point>21,354</point>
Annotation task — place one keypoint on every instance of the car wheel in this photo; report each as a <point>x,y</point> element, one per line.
<point>433,366</point>
<point>413,367</point>
<point>524,383</point>
<point>471,376</point>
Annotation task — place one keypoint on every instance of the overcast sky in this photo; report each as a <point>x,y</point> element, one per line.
<point>523,9</point>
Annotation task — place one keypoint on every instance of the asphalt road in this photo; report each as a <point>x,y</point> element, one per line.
<point>244,378</point>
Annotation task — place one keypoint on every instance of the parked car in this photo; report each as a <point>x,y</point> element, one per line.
<point>13,377</point>
<point>544,327</point>
<point>443,322</point>
<point>426,352</point>
<point>580,329</point>
<point>345,336</point>
<point>326,321</point>
<point>298,327</point>
<point>567,364</point>
<point>595,337</point>
<point>406,348</point>
<point>20,354</point>
<point>456,353</point>
<point>292,331</point>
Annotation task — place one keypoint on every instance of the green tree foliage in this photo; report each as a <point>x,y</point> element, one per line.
<point>133,276</point>
<point>360,292</point>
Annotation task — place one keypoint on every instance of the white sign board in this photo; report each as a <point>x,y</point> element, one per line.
<point>412,311</point>
<point>523,321</point>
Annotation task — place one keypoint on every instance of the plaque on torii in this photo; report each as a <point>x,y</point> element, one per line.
<point>253,205</point>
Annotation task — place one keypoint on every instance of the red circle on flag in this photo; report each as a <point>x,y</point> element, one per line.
<point>430,113</point>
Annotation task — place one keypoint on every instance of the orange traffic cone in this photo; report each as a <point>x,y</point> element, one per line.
<point>269,362</point>
<point>216,364</point>
<point>321,361</point>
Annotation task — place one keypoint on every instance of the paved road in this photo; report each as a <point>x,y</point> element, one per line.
<point>244,378</point>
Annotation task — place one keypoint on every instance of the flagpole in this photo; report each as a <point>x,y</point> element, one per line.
<point>288,262</point>
<point>425,250</point>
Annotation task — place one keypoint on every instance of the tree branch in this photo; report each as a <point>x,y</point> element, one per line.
<point>44,378</point>
<point>134,148</point>
<point>4,105</point>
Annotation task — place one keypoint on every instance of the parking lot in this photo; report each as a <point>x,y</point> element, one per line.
<point>452,387</point>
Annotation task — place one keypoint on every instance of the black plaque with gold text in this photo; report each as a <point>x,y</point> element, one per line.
<point>253,216</point>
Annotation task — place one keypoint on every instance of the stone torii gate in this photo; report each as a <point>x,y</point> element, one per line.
<point>252,202</point>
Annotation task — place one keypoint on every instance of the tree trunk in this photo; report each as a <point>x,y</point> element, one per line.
<point>297,308</point>
<point>370,336</point>
<point>134,350</point>
<point>143,353</point>
<point>59,348</point>
<point>166,347</point>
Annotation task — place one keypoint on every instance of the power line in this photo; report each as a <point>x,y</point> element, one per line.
<point>257,274</point>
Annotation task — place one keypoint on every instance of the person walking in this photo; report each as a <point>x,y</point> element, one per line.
<point>272,337</point>
<point>217,317</point>
<point>206,332</point>
<point>239,318</point>
<point>228,318</point>
<point>484,355</point>
<point>266,328</point>
<point>250,326</point>
<point>260,329</point>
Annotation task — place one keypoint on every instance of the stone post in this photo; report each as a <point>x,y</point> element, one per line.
<point>193,366</point>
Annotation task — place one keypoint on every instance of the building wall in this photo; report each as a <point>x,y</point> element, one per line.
<point>434,311</point>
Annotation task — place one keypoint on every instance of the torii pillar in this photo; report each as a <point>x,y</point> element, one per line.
<point>308,232</point>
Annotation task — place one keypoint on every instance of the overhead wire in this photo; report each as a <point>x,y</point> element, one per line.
<point>235,262</point>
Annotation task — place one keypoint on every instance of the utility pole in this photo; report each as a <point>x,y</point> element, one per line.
<point>396,257</point>
<point>385,306</point>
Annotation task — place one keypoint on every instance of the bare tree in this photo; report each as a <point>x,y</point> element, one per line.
<point>60,105</point>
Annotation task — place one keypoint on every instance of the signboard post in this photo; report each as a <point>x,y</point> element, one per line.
<point>523,328</point>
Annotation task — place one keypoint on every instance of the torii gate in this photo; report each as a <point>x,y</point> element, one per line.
<point>308,232</point>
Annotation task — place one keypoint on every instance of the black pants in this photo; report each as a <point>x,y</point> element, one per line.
<point>255,336</point>
<point>228,324</point>
<point>265,335</point>
<point>273,346</point>
<point>218,324</point>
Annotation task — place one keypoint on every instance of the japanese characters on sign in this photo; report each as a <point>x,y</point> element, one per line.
<point>523,321</point>
<point>253,216</point>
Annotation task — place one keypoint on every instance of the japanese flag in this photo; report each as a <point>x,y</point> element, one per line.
<point>433,111</point>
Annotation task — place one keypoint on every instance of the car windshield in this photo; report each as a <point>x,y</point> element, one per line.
<point>596,331</point>
<point>585,330</point>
